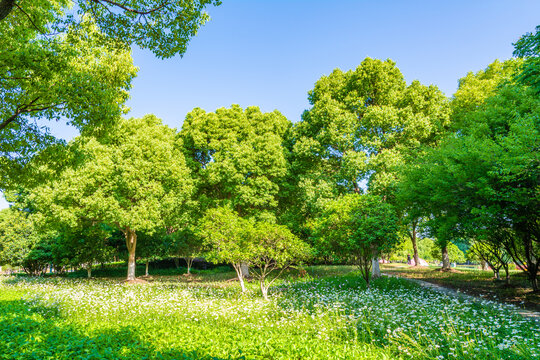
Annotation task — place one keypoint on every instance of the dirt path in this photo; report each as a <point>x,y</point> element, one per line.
<point>451,292</point>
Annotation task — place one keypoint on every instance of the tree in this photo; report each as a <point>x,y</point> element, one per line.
<point>129,179</point>
<point>453,253</point>
<point>362,125</point>
<point>226,238</point>
<point>237,157</point>
<point>18,237</point>
<point>69,61</point>
<point>275,248</point>
<point>164,27</point>
<point>188,245</point>
<point>77,78</point>
<point>528,47</point>
<point>358,227</point>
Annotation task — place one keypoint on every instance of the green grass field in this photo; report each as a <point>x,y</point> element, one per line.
<point>328,314</point>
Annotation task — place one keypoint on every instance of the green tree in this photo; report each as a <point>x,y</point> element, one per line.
<point>363,124</point>
<point>226,238</point>
<point>76,78</point>
<point>528,47</point>
<point>17,236</point>
<point>237,157</point>
<point>164,27</point>
<point>275,248</point>
<point>359,228</point>
<point>130,180</point>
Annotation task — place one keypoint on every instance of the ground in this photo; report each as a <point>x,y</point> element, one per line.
<point>327,314</point>
<point>474,282</point>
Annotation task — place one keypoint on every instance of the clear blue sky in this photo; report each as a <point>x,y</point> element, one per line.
<point>269,53</point>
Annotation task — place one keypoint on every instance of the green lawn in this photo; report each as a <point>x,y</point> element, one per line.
<point>474,282</point>
<point>206,317</point>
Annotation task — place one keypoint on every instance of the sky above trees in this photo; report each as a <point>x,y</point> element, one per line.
<point>270,53</point>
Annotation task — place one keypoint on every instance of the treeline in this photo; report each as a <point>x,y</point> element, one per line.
<point>372,160</point>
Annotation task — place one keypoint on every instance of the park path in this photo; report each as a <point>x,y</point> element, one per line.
<point>451,292</point>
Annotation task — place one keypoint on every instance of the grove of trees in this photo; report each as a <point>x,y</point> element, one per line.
<point>372,161</point>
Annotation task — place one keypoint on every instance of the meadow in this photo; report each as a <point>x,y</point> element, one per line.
<point>207,317</point>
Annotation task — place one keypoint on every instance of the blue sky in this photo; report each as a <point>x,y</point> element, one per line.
<point>269,53</point>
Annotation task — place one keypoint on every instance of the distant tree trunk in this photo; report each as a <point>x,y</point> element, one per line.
<point>507,277</point>
<point>189,262</point>
<point>264,289</point>
<point>131,242</point>
<point>445,258</point>
<point>238,269</point>
<point>375,269</point>
<point>147,262</point>
<point>412,235</point>
<point>89,270</point>
<point>496,274</point>
<point>245,270</point>
<point>5,8</point>
<point>176,263</point>
<point>484,265</point>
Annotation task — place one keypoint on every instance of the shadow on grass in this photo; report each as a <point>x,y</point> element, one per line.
<point>39,333</point>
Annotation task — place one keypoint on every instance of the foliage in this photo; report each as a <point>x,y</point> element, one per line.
<point>454,253</point>
<point>358,227</point>
<point>528,47</point>
<point>226,238</point>
<point>274,248</point>
<point>76,77</point>
<point>237,157</point>
<point>130,180</point>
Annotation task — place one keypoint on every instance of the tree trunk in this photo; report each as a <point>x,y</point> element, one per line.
<point>5,8</point>
<point>176,263</point>
<point>244,267</point>
<point>445,258</point>
<point>238,268</point>
<point>147,262</point>
<point>484,265</point>
<point>412,235</point>
<point>131,242</point>
<point>264,290</point>
<point>507,278</point>
<point>89,270</point>
<point>496,274</point>
<point>375,269</point>
<point>189,262</point>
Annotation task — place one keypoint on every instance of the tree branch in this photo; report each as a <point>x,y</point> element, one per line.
<point>123,7</point>
<point>29,18</point>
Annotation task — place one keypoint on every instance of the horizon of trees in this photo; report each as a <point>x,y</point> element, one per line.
<point>255,190</point>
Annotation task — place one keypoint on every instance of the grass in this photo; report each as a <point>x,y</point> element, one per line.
<point>327,314</point>
<point>474,282</point>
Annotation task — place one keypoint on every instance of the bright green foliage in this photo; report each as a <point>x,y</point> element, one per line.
<point>164,27</point>
<point>77,77</point>
<point>475,88</point>
<point>274,248</point>
<point>358,227</point>
<point>528,47</point>
<point>131,180</point>
<point>237,157</point>
<point>186,244</point>
<point>454,253</point>
<point>363,122</point>
<point>226,238</point>
<point>17,237</point>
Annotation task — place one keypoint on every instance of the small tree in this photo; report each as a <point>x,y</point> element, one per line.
<point>358,227</point>
<point>452,253</point>
<point>274,248</point>
<point>186,244</point>
<point>226,236</point>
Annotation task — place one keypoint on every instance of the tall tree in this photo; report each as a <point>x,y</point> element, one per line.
<point>129,179</point>
<point>358,228</point>
<point>237,157</point>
